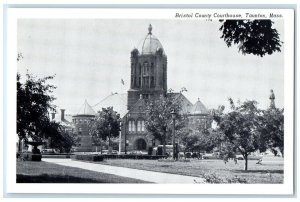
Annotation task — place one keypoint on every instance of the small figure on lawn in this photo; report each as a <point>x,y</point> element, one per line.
<point>235,161</point>
<point>259,162</point>
<point>225,159</point>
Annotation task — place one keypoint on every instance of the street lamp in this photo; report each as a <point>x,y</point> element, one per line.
<point>109,147</point>
<point>125,132</point>
<point>173,113</point>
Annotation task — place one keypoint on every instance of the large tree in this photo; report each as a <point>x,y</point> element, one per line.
<point>256,37</point>
<point>159,117</point>
<point>34,101</point>
<point>241,128</point>
<point>105,126</point>
<point>272,129</point>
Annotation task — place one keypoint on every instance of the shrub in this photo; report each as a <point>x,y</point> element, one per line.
<point>28,156</point>
<point>87,157</point>
<point>214,179</point>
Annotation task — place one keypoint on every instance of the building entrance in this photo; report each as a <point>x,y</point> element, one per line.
<point>140,144</point>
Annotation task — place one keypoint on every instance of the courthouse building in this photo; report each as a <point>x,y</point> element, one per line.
<point>149,81</point>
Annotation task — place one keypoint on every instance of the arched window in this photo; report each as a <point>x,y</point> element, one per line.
<point>131,126</point>
<point>140,125</point>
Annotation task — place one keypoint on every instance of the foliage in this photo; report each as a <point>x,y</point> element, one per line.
<point>105,126</point>
<point>202,140</point>
<point>241,128</point>
<point>34,100</point>
<point>272,129</point>
<point>255,37</point>
<point>58,137</point>
<point>159,117</point>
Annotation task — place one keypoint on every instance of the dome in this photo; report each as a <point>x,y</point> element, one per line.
<point>150,45</point>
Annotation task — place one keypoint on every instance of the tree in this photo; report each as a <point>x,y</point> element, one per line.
<point>272,129</point>
<point>59,137</point>
<point>159,117</point>
<point>105,126</point>
<point>34,100</point>
<point>203,140</point>
<point>241,128</point>
<point>255,37</point>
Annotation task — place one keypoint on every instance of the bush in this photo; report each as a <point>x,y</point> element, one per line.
<point>29,156</point>
<point>94,157</point>
<point>214,179</point>
<point>88,157</point>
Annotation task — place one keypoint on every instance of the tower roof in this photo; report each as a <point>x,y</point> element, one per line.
<point>199,108</point>
<point>150,44</point>
<point>86,109</point>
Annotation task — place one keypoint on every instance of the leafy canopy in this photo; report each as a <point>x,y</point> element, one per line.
<point>34,100</point>
<point>105,125</point>
<point>256,37</point>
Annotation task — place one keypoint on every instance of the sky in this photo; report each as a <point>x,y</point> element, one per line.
<point>89,57</point>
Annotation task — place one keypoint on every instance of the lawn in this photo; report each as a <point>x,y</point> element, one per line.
<point>43,172</point>
<point>270,172</point>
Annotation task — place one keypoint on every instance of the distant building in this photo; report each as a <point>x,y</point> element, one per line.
<point>81,122</point>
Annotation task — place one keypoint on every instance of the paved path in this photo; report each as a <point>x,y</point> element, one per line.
<point>148,176</point>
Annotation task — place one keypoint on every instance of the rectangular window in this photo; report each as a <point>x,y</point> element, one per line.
<point>139,126</point>
<point>146,69</point>
<point>131,126</point>
<point>143,126</point>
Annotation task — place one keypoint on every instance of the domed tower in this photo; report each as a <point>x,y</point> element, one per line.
<point>148,70</point>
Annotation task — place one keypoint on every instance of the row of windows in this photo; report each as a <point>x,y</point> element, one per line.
<point>139,127</point>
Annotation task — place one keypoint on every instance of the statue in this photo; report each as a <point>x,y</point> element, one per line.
<point>272,98</point>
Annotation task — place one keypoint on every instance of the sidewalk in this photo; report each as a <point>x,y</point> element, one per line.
<point>148,176</point>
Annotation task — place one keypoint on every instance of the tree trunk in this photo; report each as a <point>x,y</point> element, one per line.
<point>246,162</point>
<point>164,146</point>
<point>100,146</point>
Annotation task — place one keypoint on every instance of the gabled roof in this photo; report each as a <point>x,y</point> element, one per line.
<point>186,105</point>
<point>199,108</point>
<point>86,109</point>
<point>115,100</point>
<point>138,107</point>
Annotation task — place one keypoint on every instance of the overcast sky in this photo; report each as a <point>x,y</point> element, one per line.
<point>90,57</point>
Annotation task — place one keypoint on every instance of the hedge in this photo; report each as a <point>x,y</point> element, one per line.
<point>100,157</point>
<point>28,156</point>
<point>87,157</point>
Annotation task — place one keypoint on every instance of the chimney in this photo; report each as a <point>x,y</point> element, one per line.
<point>52,116</point>
<point>62,114</point>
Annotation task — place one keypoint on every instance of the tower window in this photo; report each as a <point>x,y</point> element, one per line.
<point>152,68</point>
<point>152,83</point>
<point>146,69</point>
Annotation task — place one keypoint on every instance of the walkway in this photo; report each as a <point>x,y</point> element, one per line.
<point>148,176</point>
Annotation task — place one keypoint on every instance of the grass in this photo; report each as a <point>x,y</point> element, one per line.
<point>270,172</point>
<point>43,172</point>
